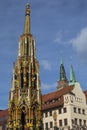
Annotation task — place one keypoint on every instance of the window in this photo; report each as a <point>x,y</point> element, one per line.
<point>64,109</point>
<point>50,113</point>
<point>80,122</point>
<point>60,110</point>
<point>84,122</point>
<point>46,125</point>
<point>83,111</point>
<point>65,121</point>
<point>60,122</point>
<point>72,121</point>
<point>79,110</point>
<point>46,114</point>
<point>75,121</point>
<point>51,124</point>
<point>74,109</point>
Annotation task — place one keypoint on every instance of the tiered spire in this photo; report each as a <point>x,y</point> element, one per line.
<point>26,41</point>
<point>25,94</point>
<point>72,76</point>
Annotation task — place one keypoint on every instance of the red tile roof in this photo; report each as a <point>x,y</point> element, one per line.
<point>3,116</point>
<point>55,99</point>
<point>3,113</point>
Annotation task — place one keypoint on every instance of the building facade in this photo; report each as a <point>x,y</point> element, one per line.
<point>66,108</point>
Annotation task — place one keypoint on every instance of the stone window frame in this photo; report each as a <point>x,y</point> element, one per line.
<point>60,123</point>
<point>65,122</point>
<point>64,109</point>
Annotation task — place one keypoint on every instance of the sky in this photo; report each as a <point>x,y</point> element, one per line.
<point>60,30</point>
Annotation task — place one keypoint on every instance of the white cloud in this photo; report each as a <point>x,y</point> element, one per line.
<point>58,39</point>
<point>48,87</point>
<point>61,37</point>
<point>79,43</point>
<point>45,86</point>
<point>46,64</point>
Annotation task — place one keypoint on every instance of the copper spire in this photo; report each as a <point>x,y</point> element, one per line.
<point>72,76</point>
<point>62,71</point>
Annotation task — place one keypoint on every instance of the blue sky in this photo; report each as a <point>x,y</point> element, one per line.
<point>60,29</point>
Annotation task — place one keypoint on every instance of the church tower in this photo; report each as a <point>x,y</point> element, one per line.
<point>63,82</point>
<point>25,94</point>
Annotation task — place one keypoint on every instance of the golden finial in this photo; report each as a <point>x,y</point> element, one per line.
<point>27,9</point>
<point>27,20</point>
